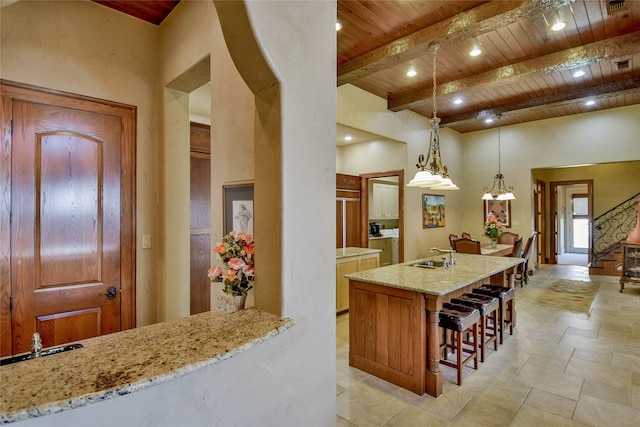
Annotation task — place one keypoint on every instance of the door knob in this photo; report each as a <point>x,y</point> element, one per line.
<point>111,292</point>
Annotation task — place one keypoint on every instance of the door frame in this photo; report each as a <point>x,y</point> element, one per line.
<point>553,189</point>
<point>540,222</point>
<point>364,207</point>
<point>9,91</point>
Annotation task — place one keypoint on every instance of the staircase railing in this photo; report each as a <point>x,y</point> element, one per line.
<point>612,227</point>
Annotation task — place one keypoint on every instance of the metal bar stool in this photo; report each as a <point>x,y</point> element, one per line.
<point>488,308</point>
<point>460,320</point>
<point>506,298</point>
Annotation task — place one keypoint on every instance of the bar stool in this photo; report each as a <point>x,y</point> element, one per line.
<point>460,320</point>
<point>506,298</point>
<point>488,308</point>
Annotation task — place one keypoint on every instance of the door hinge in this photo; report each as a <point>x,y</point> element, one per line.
<point>10,302</point>
<point>11,124</point>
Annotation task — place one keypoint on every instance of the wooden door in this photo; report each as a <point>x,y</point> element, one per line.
<point>65,224</point>
<point>200,214</point>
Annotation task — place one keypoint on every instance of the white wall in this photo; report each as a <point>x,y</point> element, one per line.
<point>597,137</point>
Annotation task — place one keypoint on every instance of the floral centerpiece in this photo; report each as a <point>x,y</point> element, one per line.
<point>237,254</point>
<point>493,228</point>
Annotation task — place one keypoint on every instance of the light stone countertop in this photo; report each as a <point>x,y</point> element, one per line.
<point>437,281</point>
<point>127,361</point>
<point>351,252</point>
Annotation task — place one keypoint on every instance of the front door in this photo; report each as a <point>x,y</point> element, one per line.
<point>65,224</point>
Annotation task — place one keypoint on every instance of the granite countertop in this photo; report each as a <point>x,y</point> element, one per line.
<point>123,362</point>
<point>351,252</point>
<point>437,281</point>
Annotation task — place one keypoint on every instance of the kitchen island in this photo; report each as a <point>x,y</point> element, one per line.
<point>119,364</point>
<point>394,315</point>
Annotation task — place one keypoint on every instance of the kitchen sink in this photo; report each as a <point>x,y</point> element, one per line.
<point>48,352</point>
<point>428,264</point>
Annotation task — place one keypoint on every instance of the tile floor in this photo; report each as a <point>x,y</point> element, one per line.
<point>558,369</point>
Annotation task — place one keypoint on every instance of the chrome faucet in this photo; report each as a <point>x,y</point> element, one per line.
<point>36,345</point>
<point>451,261</point>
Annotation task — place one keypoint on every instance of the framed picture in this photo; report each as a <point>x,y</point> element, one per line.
<point>432,211</point>
<point>500,208</point>
<point>238,207</point>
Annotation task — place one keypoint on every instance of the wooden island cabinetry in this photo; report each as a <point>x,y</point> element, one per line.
<point>394,316</point>
<point>348,261</point>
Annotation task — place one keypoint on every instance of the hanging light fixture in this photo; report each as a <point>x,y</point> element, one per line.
<point>498,190</point>
<point>431,173</point>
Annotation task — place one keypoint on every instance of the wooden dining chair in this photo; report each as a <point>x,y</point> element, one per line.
<point>508,238</point>
<point>522,270</point>
<point>466,235</point>
<point>516,251</point>
<point>467,246</point>
<point>452,240</point>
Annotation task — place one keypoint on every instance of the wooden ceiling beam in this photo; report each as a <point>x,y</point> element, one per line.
<point>554,100</point>
<point>564,60</point>
<point>472,23</point>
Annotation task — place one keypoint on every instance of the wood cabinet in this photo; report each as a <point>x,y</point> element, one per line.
<point>347,211</point>
<point>384,244</point>
<point>347,266</point>
<point>383,203</point>
<point>630,264</point>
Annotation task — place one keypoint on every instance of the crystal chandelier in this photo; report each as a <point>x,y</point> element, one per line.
<point>498,190</point>
<point>431,173</point>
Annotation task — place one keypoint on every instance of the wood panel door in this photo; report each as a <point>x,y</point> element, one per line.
<point>65,224</point>
<point>200,218</point>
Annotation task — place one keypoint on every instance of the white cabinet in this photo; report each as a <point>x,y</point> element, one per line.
<point>384,244</point>
<point>383,202</point>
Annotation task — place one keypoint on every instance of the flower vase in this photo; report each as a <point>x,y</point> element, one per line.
<point>239,301</point>
<point>494,243</point>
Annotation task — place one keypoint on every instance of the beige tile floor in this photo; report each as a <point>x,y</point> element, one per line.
<point>558,369</point>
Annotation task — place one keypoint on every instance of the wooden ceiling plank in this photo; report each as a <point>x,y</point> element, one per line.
<point>472,23</point>
<point>571,58</point>
<point>555,99</point>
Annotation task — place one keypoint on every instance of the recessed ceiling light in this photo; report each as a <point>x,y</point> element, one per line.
<point>348,138</point>
<point>338,26</point>
<point>411,72</point>
<point>579,73</point>
<point>475,51</point>
<point>590,103</point>
<point>489,120</point>
<point>457,101</point>
<point>558,26</point>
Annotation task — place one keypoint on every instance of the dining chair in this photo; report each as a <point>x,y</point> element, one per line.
<point>522,270</point>
<point>508,238</point>
<point>467,246</point>
<point>452,240</point>
<point>466,235</point>
<point>516,251</point>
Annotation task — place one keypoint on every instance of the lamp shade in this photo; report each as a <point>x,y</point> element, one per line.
<point>424,179</point>
<point>446,184</point>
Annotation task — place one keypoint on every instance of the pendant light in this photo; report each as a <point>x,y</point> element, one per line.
<point>432,174</point>
<point>498,190</point>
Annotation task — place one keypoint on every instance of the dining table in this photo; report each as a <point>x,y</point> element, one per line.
<point>499,250</point>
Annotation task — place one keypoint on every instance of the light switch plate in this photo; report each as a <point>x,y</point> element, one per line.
<point>146,241</point>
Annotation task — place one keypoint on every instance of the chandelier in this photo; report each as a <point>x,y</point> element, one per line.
<point>498,190</point>
<point>431,173</point>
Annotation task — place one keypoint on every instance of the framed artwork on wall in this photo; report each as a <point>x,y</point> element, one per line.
<point>433,213</point>
<point>238,207</point>
<point>500,208</point>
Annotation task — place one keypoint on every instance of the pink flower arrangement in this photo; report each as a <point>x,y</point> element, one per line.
<point>493,228</point>
<point>237,254</point>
